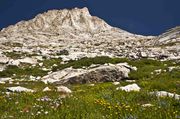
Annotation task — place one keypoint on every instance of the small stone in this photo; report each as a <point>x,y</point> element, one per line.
<point>158,71</point>
<point>40,64</point>
<point>38,113</point>
<point>116,83</point>
<point>38,78</point>
<point>5,79</point>
<point>46,89</point>
<point>10,82</point>
<point>55,65</point>
<point>63,89</point>
<point>28,60</point>
<point>91,85</point>
<point>7,93</point>
<point>19,89</point>
<point>131,81</point>
<point>170,68</point>
<point>147,105</point>
<point>143,54</point>
<point>4,60</point>
<point>165,94</point>
<point>2,82</point>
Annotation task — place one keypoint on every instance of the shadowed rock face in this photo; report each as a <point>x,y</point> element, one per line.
<point>99,75</point>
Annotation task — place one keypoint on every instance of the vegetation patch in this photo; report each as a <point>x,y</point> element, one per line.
<point>10,44</point>
<point>50,62</point>
<point>99,101</point>
<point>18,55</point>
<point>87,102</point>
<point>16,72</point>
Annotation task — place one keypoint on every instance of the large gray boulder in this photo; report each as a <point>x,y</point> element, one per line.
<point>103,73</point>
<point>100,74</point>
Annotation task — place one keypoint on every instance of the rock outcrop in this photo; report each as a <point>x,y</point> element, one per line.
<point>19,89</point>
<point>129,88</point>
<point>165,94</point>
<point>103,73</point>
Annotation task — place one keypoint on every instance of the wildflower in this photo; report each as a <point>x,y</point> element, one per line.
<point>45,98</point>
<point>46,112</point>
<point>38,113</point>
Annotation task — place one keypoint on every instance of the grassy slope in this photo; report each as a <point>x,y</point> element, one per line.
<point>100,101</point>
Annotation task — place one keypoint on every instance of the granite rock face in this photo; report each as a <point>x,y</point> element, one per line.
<point>103,73</point>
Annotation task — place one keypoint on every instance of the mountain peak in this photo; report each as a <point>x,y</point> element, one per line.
<point>84,10</point>
<point>77,19</point>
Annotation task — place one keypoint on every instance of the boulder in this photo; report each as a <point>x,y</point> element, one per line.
<point>63,74</point>
<point>19,89</point>
<point>5,79</point>
<point>92,85</point>
<point>46,89</point>
<point>143,54</point>
<point>14,62</point>
<point>147,105</point>
<point>100,74</point>
<point>172,68</point>
<point>41,64</point>
<point>174,58</point>
<point>28,60</point>
<point>130,81</point>
<point>40,58</point>
<point>2,82</point>
<point>64,90</point>
<point>165,94</point>
<point>2,67</point>
<point>158,71</point>
<point>116,83</point>
<point>4,60</point>
<point>49,80</point>
<point>129,88</point>
<point>103,73</point>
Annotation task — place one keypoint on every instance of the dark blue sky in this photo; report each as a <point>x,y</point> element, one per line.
<point>147,17</point>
